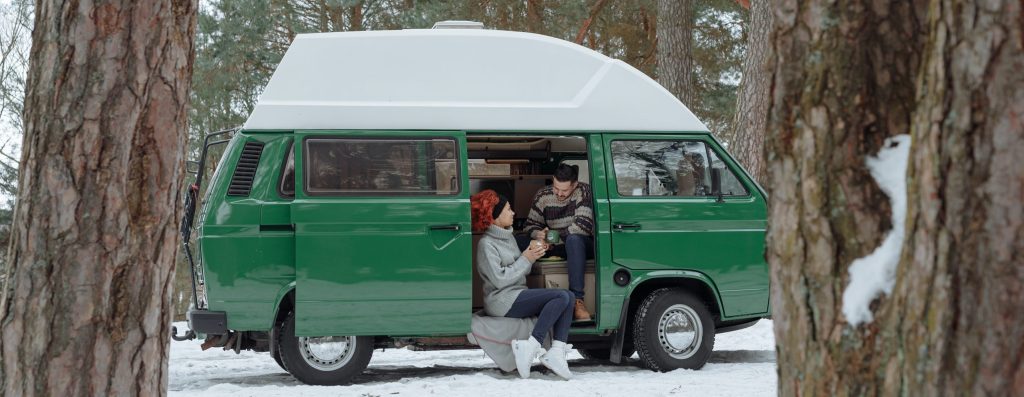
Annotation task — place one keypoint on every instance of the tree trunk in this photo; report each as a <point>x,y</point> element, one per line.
<point>843,82</point>
<point>675,49</point>
<point>87,308</point>
<point>955,311</point>
<point>951,325</point>
<point>356,16</point>
<point>746,141</point>
<point>535,16</point>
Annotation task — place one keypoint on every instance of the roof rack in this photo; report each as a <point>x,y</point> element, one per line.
<point>458,25</point>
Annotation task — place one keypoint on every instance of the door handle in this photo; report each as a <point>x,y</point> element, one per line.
<point>625,226</point>
<point>453,227</point>
<point>277,228</point>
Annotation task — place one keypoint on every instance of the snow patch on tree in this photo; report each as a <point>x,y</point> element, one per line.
<point>876,273</point>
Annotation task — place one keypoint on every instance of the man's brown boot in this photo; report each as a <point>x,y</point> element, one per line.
<point>580,313</point>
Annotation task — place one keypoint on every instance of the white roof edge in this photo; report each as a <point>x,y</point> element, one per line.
<point>460,79</point>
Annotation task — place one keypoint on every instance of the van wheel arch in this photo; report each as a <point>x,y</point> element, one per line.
<point>695,287</point>
<point>285,306</point>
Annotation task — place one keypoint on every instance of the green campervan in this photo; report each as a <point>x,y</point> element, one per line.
<point>337,220</point>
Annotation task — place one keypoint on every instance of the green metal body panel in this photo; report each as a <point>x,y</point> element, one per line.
<point>373,266</point>
<point>610,295</point>
<point>722,240</point>
<point>244,266</point>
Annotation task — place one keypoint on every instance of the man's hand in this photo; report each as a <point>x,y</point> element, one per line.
<point>541,236</point>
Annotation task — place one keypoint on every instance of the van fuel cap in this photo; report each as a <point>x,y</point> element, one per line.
<point>621,277</point>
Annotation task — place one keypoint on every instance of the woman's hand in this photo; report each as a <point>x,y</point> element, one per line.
<point>534,251</point>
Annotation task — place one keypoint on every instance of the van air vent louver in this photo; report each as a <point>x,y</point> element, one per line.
<point>241,181</point>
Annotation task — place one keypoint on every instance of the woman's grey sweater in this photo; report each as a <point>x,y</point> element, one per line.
<point>503,269</point>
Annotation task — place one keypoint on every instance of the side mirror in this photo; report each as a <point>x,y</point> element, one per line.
<point>192,167</point>
<point>716,184</point>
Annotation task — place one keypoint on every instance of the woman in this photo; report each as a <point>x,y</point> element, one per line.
<point>503,270</point>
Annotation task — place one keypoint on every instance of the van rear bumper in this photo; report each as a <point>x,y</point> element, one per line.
<point>208,322</point>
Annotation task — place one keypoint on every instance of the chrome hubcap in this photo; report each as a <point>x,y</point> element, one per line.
<point>327,353</point>
<point>680,331</point>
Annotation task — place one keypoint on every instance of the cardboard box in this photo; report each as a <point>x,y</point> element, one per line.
<point>557,267</point>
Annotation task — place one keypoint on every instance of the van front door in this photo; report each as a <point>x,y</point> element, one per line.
<point>666,216</point>
<point>382,233</point>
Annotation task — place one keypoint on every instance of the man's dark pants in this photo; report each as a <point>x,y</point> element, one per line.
<point>576,250</point>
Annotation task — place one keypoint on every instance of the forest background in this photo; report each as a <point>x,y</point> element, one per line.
<point>240,42</point>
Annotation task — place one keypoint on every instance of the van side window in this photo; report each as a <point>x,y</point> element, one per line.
<point>731,185</point>
<point>362,166</point>
<point>668,168</point>
<point>286,186</point>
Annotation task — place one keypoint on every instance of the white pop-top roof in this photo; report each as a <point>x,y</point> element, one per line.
<point>460,79</point>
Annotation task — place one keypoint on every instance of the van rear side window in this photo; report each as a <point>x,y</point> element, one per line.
<point>363,167</point>
<point>286,186</point>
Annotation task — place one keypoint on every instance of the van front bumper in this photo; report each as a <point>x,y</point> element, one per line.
<point>208,322</point>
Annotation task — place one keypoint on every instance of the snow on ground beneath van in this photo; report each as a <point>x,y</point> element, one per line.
<point>742,364</point>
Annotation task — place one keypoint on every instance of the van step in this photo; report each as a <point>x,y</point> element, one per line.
<point>584,324</point>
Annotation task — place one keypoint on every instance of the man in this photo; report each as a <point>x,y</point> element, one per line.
<point>566,206</point>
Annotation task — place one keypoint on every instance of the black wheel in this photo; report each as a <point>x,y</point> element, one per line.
<point>324,360</point>
<point>276,354</point>
<point>673,329</point>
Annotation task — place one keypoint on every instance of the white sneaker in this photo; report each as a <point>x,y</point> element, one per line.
<point>525,351</point>
<point>554,359</point>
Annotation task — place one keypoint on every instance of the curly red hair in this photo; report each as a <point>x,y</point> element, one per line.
<point>482,206</point>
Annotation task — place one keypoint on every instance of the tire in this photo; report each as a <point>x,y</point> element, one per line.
<point>667,310</point>
<point>277,358</point>
<point>299,356</point>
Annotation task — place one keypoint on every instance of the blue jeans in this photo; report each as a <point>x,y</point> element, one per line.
<point>576,250</point>
<point>553,308</point>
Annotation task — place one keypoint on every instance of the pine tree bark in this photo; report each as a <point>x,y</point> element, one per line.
<point>951,325</point>
<point>535,16</point>
<point>955,313</point>
<point>843,82</point>
<point>356,16</point>
<point>675,49</point>
<point>746,141</point>
<point>87,308</point>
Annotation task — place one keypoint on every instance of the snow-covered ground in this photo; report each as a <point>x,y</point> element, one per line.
<point>743,364</point>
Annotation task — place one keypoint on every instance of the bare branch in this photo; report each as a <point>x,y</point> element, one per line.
<point>594,10</point>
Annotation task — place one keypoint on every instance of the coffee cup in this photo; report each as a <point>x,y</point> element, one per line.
<point>553,237</point>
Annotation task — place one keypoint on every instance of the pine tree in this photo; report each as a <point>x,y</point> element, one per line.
<point>94,241</point>
<point>850,75</point>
